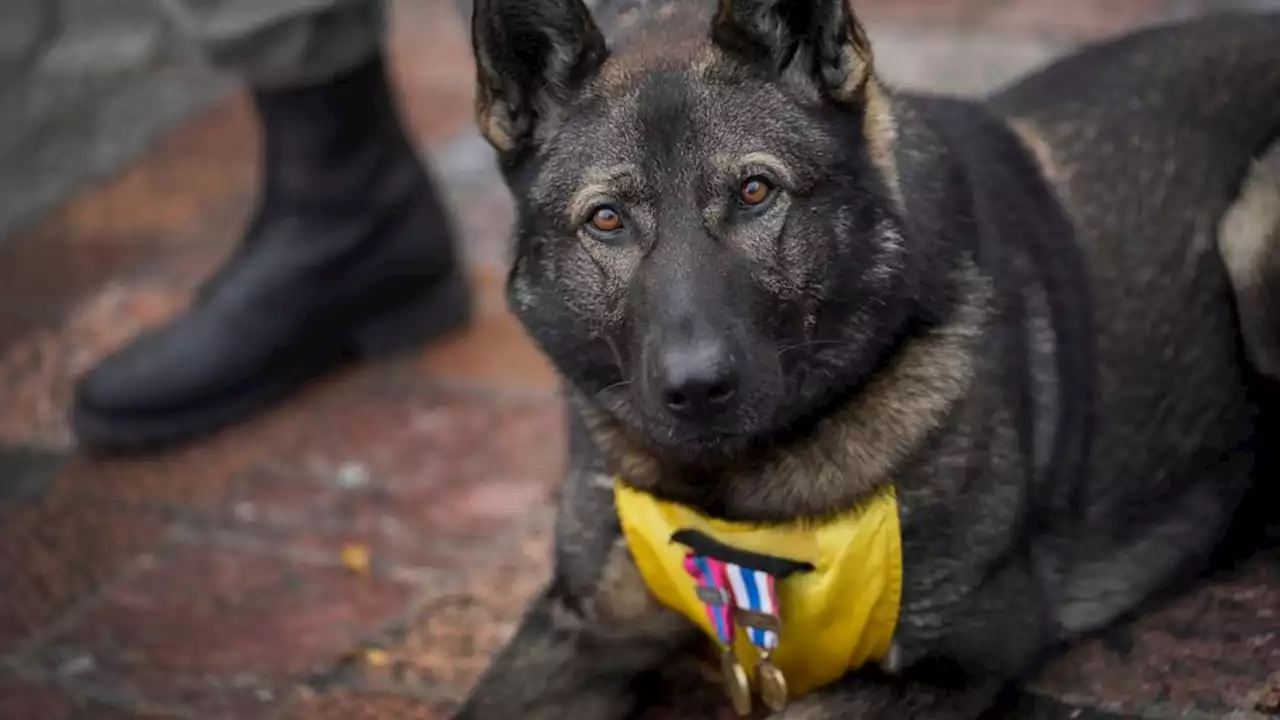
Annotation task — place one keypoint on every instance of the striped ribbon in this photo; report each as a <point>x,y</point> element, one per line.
<point>756,591</point>
<point>712,579</point>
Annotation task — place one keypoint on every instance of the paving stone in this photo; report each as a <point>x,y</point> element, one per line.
<point>193,480</point>
<point>19,699</point>
<point>450,641</point>
<point>25,473</point>
<point>1210,651</point>
<point>430,440</point>
<point>412,477</point>
<point>55,551</point>
<point>223,632</point>
<point>363,706</point>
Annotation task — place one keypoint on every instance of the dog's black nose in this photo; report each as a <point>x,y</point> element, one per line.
<point>698,380</point>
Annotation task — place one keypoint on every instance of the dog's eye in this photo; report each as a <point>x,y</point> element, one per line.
<point>605,220</point>
<point>754,191</point>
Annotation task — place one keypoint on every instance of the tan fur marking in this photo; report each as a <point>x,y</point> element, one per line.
<point>615,78</point>
<point>851,89</point>
<point>707,59</point>
<point>622,596</point>
<point>731,164</point>
<point>1249,242</point>
<point>857,448</point>
<point>1034,141</point>
<point>866,440</point>
<point>859,59</point>
<point>599,183</point>
<point>493,129</point>
<point>881,132</point>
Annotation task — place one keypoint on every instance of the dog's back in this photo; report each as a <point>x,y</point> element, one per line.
<point>1148,142</point>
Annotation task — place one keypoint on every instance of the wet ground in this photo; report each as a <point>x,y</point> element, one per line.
<point>359,551</point>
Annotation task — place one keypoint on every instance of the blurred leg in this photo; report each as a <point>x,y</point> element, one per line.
<point>349,253</point>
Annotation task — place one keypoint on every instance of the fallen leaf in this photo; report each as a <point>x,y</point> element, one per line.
<point>377,658</point>
<point>355,557</point>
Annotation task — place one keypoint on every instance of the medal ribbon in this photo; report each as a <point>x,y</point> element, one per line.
<point>731,593</point>
<point>713,591</point>
<point>756,591</point>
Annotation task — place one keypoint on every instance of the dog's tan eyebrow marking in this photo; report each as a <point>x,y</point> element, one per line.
<point>735,164</point>
<point>598,183</point>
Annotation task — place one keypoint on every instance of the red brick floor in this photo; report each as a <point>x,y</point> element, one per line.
<point>228,579</point>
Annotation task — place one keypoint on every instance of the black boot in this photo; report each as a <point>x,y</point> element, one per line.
<point>349,255</point>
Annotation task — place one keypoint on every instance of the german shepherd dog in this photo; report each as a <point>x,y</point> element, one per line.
<point>774,285</point>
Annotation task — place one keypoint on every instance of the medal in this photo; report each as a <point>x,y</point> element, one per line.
<point>712,591</point>
<point>773,685</point>
<point>736,684</point>
<point>743,596</point>
<point>756,594</point>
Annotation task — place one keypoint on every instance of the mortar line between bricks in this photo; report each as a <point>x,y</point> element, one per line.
<point>434,692</point>
<point>428,589</point>
<point>140,563</point>
<point>186,535</point>
<point>195,520</point>
<point>428,691</point>
<point>115,700</point>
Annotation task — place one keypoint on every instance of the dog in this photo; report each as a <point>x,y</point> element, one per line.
<point>1024,340</point>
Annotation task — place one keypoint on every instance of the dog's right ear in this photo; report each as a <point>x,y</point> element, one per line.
<point>531,57</point>
<point>823,36</point>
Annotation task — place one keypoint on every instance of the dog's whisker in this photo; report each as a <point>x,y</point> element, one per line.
<point>809,344</point>
<point>615,386</point>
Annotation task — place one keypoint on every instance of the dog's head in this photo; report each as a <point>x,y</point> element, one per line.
<point>708,246</point>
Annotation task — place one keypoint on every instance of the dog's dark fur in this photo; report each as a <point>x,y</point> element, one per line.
<point>1017,312</point>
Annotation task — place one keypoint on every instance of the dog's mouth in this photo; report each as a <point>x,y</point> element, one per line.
<point>775,405</point>
<point>698,442</point>
<point>702,444</point>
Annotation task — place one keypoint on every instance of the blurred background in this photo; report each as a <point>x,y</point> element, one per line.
<point>358,551</point>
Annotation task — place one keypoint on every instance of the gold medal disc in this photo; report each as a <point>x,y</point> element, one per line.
<point>736,684</point>
<point>773,685</point>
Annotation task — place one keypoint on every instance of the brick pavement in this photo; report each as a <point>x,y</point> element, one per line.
<point>359,551</point>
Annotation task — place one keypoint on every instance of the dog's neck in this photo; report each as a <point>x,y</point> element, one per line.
<point>848,454</point>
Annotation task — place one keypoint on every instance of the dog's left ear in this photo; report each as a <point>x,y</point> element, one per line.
<point>531,57</point>
<point>824,35</point>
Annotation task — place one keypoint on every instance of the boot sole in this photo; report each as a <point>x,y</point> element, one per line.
<point>443,309</point>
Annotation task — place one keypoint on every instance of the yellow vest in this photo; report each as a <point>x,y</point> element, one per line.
<point>836,618</point>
